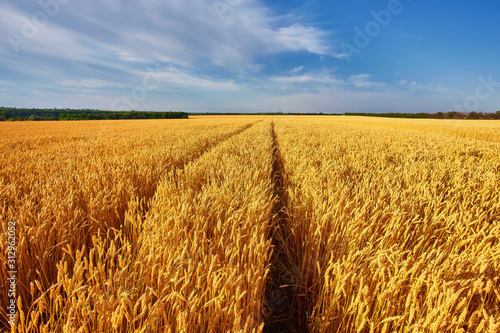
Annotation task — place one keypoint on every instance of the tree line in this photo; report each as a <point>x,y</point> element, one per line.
<point>21,114</point>
<point>438,115</point>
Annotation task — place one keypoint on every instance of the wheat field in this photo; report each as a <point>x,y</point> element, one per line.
<point>252,224</point>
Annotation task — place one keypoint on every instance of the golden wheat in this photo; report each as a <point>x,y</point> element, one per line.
<point>62,189</point>
<point>405,227</point>
<point>253,224</point>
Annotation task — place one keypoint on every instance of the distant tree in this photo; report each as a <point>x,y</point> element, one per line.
<point>473,115</point>
<point>454,115</point>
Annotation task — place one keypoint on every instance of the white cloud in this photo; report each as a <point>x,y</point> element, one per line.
<point>364,81</point>
<point>308,78</point>
<point>175,77</point>
<point>184,32</point>
<point>315,78</point>
<point>89,83</point>
<point>113,40</point>
<point>297,69</point>
<point>298,37</point>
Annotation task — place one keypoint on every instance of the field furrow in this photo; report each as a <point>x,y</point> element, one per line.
<point>283,306</point>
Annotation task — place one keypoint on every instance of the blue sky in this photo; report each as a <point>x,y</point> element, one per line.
<point>251,56</point>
